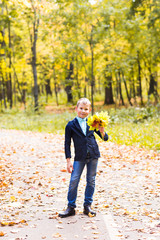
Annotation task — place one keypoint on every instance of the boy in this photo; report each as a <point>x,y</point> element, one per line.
<point>86,153</point>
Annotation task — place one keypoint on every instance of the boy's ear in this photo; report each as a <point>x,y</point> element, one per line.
<point>90,109</point>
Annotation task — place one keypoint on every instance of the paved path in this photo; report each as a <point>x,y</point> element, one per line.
<point>34,183</point>
<point>33,190</point>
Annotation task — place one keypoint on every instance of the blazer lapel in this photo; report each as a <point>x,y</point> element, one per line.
<point>77,125</point>
<point>87,129</point>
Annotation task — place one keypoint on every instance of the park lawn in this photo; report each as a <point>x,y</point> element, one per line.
<point>145,134</point>
<point>124,127</point>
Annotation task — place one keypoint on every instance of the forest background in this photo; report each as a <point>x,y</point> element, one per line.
<point>54,52</point>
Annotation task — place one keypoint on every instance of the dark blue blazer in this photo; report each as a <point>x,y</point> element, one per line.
<point>82,143</point>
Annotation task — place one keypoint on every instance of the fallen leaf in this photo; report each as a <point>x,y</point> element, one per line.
<point>2,234</point>
<point>63,170</point>
<point>56,235</point>
<point>91,215</point>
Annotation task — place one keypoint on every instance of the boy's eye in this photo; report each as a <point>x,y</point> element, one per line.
<point>85,109</point>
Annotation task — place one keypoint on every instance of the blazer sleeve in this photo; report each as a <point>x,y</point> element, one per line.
<point>68,136</point>
<point>99,134</point>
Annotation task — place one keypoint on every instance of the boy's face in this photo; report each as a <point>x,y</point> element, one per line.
<point>83,110</point>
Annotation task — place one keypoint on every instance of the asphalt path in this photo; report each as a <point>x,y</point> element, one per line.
<point>34,184</point>
<point>34,188</point>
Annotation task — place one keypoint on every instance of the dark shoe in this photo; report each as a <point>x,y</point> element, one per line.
<point>88,211</point>
<point>69,212</point>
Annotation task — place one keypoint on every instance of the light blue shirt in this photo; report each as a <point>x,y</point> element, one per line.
<point>83,124</point>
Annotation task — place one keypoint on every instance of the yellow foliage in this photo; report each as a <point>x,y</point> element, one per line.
<point>98,120</point>
<point>2,50</point>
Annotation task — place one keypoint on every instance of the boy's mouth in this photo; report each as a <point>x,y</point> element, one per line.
<point>83,115</point>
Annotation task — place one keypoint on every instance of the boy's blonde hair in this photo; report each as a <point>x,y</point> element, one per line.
<point>84,101</point>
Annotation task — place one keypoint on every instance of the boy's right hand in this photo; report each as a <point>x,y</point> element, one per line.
<point>69,166</point>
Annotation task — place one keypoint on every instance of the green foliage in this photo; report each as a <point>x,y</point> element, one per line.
<point>136,126</point>
<point>134,115</point>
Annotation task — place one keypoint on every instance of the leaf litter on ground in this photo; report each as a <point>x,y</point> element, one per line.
<point>33,176</point>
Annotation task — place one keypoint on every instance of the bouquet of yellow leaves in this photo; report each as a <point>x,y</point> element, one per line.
<point>98,120</point>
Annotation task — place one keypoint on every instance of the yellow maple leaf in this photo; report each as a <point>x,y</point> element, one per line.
<point>13,199</point>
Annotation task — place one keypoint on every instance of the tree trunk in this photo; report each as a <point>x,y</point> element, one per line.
<point>34,55</point>
<point>77,75</point>
<point>133,90</point>
<point>18,84</point>
<point>92,70</point>
<point>153,87</point>
<point>9,82</point>
<point>24,95</point>
<point>3,93</point>
<point>24,87</point>
<point>120,89</point>
<point>92,83</point>
<point>34,69</point>
<point>48,87</point>
<point>55,85</point>
<point>139,88</point>
<point>69,83</point>
<point>9,92</point>
<point>85,88</point>
<point>2,57</point>
<point>127,93</point>
<point>108,91</point>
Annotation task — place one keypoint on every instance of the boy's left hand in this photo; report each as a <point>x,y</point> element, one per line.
<point>101,129</point>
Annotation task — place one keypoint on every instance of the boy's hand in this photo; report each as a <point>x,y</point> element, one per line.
<point>101,129</point>
<point>69,165</point>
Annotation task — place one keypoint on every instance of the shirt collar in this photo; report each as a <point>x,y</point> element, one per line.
<point>81,119</point>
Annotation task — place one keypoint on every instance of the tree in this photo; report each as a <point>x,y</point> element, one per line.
<point>6,55</point>
<point>33,39</point>
<point>80,49</point>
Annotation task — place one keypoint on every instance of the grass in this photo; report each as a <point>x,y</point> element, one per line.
<point>136,126</point>
<point>132,126</point>
<point>145,134</point>
<point>44,122</point>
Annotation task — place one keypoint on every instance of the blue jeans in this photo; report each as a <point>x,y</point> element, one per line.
<point>78,167</point>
